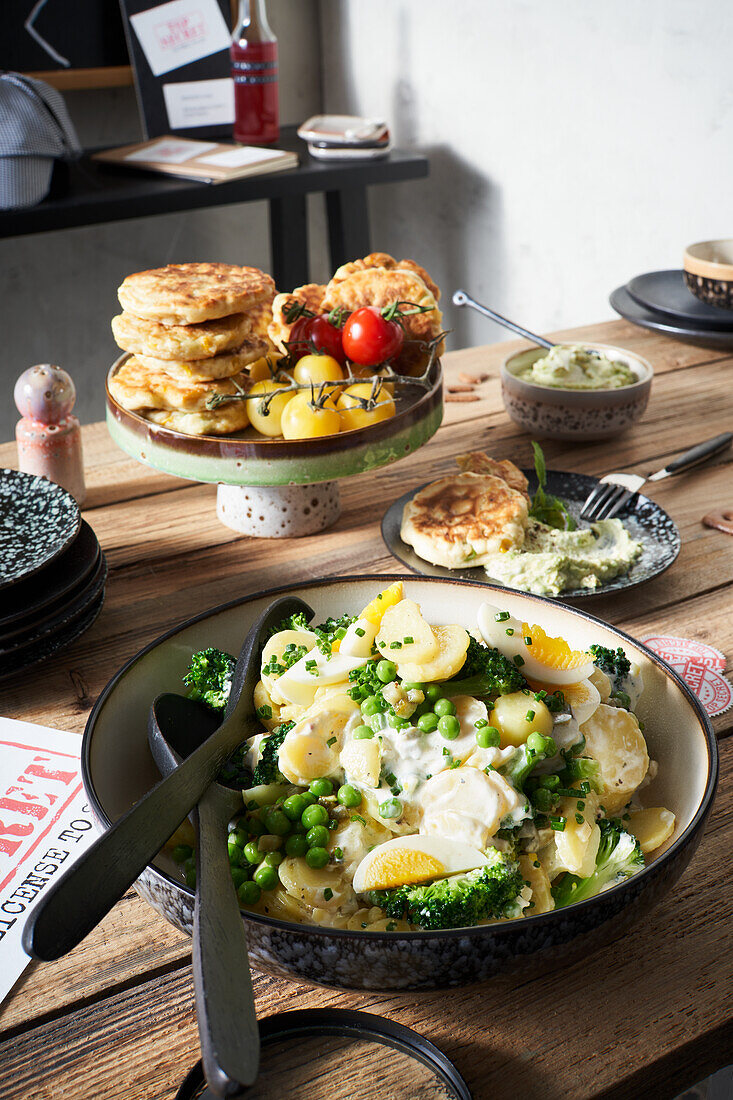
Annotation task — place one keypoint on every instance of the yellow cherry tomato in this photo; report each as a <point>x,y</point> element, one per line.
<point>317,368</point>
<point>353,415</point>
<point>302,420</point>
<point>367,373</point>
<point>267,418</point>
<point>264,367</point>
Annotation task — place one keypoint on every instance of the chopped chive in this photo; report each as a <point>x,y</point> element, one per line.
<point>518,661</point>
<point>580,805</point>
<point>579,818</point>
<point>331,741</point>
<point>328,893</point>
<point>446,752</point>
<point>408,640</point>
<point>558,824</point>
<point>359,631</point>
<point>536,863</point>
<point>265,711</point>
<point>338,853</point>
<point>528,640</point>
<point>359,818</point>
<point>395,645</point>
<point>510,631</point>
<point>529,716</point>
<point>501,616</point>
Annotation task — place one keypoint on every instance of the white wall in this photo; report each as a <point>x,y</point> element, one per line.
<point>58,291</point>
<point>574,143</point>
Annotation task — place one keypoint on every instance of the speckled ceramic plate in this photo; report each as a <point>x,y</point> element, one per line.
<point>43,592</point>
<point>645,521</point>
<point>666,292</point>
<point>631,310</point>
<point>248,458</point>
<point>54,618</point>
<point>46,646</point>
<point>38,521</point>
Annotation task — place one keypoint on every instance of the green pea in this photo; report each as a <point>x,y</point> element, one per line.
<point>239,875</point>
<point>400,723</point>
<point>278,823</point>
<point>488,738</point>
<point>252,853</point>
<point>249,893</point>
<point>296,845</point>
<point>234,840</point>
<point>349,796</point>
<point>236,855</point>
<point>317,837</point>
<point>266,877</point>
<point>444,707</point>
<point>391,808</point>
<point>182,852</point>
<point>542,799</point>
<point>321,787</point>
<point>433,692</point>
<point>363,733</point>
<point>413,685</point>
<point>427,722</point>
<point>255,827</point>
<point>386,671</point>
<point>370,706</point>
<point>449,726</point>
<point>293,807</point>
<point>241,836</point>
<point>273,859</point>
<point>317,857</point>
<point>189,871</point>
<point>314,815</point>
<point>550,746</point>
<point>536,742</point>
<point>550,782</point>
<point>308,798</point>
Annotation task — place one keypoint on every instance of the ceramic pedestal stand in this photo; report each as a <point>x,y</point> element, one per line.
<point>279,488</point>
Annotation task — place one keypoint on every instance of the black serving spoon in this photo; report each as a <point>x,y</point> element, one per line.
<point>225,1010</point>
<point>88,890</point>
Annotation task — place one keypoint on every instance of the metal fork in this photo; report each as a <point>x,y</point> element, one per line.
<point>614,490</point>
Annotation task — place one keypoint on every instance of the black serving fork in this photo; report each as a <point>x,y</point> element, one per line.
<point>614,490</point>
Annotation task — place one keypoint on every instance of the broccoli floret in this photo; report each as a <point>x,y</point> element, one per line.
<point>613,662</point>
<point>619,856</point>
<point>266,770</point>
<point>455,902</point>
<point>327,633</point>
<point>486,671</point>
<point>536,749</point>
<point>209,677</point>
<point>581,767</point>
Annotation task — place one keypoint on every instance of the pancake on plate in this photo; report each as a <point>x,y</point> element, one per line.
<point>231,417</point>
<point>225,365</point>
<point>388,263</point>
<point>145,337</point>
<point>462,519</point>
<point>185,294</point>
<point>310,295</point>
<point>478,462</point>
<point>137,388</point>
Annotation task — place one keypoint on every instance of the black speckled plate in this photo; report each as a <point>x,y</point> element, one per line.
<point>38,521</point>
<point>644,520</point>
<point>666,292</point>
<point>27,656</point>
<point>28,599</point>
<point>687,333</point>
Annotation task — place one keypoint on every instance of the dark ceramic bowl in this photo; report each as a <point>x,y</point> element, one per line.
<point>708,271</point>
<point>117,770</point>
<point>577,415</point>
<point>248,458</point>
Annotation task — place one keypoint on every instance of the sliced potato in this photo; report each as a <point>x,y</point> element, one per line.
<point>509,716</point>
<point>599,680</point>
<point>310,884</point>
<point>362,760</point>
<point>275,647</point>
<point>613,738</point>
<point>402,622</point>
<point>583,698</point>
<point>263,699</point>
<point>576,847</point>
<point>651,827</point>
<point>452,643</point>
<point>535,874</point>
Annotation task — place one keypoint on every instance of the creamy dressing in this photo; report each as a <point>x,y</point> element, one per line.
<point>572,367</point>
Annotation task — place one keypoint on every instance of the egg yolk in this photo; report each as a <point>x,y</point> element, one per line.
<point>401,867</point>
<point>553,652</point>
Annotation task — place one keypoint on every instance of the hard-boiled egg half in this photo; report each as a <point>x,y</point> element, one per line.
<point>408,860</point>
<point>550,660</point>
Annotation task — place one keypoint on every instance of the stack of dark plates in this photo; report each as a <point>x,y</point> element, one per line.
<point>52,571</point>
<point>660,300</point>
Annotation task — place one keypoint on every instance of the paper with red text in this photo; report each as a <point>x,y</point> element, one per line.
<point>45,824</point>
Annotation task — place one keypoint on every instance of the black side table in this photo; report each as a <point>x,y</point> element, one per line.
<point>96,193</point>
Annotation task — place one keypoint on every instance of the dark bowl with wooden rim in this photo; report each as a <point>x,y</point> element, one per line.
<point>248,458</point>
<point>117,770</point>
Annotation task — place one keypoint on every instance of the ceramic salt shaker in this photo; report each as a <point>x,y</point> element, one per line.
<point>48,435</point>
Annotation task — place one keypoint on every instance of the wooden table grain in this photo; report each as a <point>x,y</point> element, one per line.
<point>648,1015</point>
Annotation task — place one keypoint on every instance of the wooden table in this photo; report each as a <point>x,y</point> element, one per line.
<point>649,1015</point>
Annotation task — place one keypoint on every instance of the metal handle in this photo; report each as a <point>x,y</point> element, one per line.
<point>225,1009</point>
<point>460,298</point>
<point>700,453</point>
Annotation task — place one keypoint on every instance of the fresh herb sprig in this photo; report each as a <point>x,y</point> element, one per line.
<point>545,507</point>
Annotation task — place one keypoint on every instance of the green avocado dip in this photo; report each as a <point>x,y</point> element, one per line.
<point>572,367</point>
<point>553,561</point>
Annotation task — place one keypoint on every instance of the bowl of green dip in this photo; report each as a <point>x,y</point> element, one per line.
<point>576,392</point>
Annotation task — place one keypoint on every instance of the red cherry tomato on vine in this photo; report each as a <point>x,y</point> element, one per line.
<point>369,339</point>
<point>316,332</point>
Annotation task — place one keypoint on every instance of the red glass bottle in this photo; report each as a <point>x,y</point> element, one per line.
<point>254,72</point>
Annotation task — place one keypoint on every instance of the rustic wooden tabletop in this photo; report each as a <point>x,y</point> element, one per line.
<point>648,1015</point>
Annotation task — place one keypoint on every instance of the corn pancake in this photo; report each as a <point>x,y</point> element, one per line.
<point>462,519</point>
<point>376,286</point>
<point>388,263</point>
<point>311,296</point>
<point>231,417</point>
<point>207,370</point>
<point>260,317</point>
<point>478,462</point>
<point>207,338</point>
<point>134,387</point>
<point>185,294</point>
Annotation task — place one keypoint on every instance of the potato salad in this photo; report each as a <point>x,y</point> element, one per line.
<point>414,775</point>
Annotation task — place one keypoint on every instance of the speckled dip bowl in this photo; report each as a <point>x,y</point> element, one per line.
<point>117,770</point>
<point>579,415</point>
<point>708,272</point>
